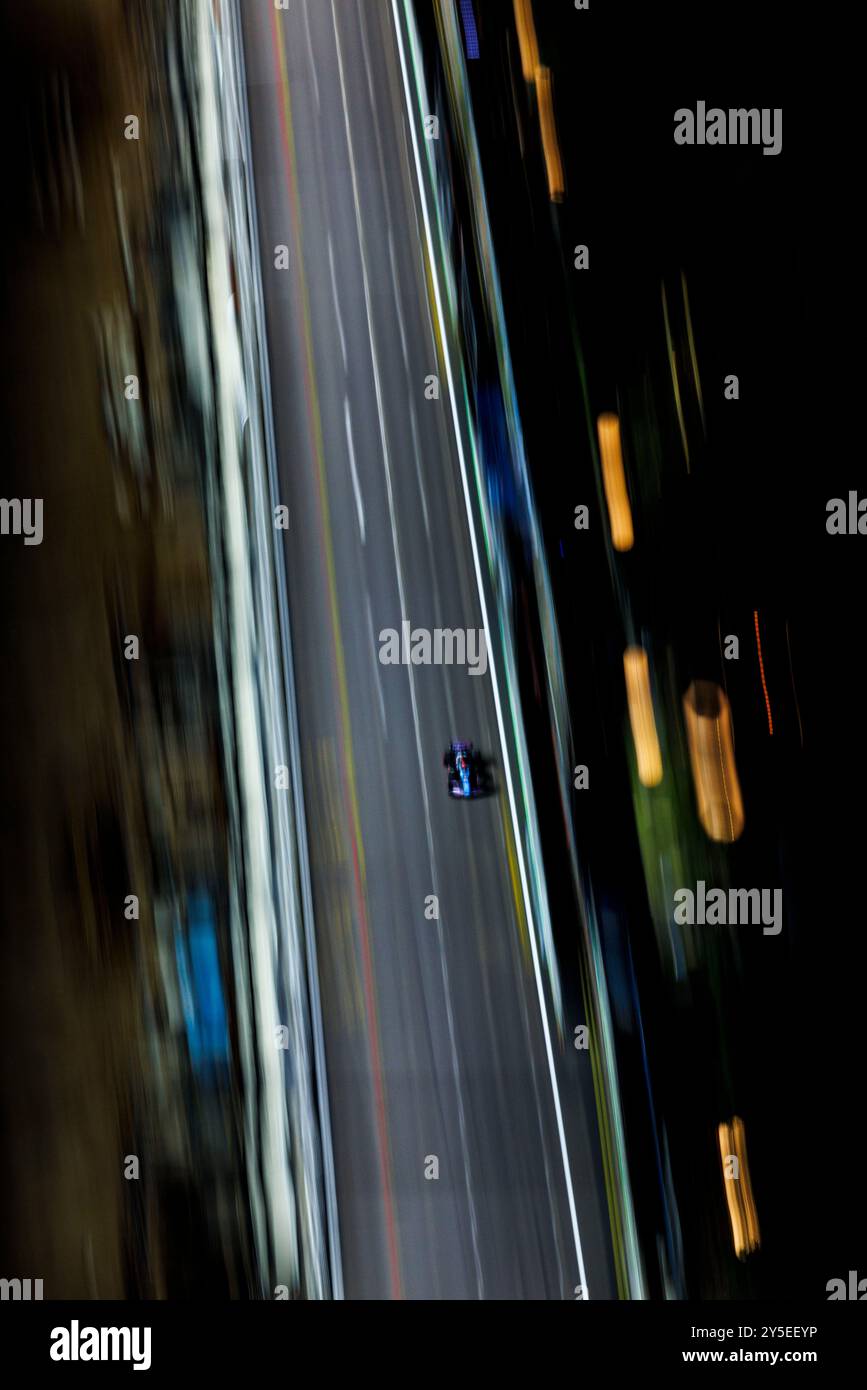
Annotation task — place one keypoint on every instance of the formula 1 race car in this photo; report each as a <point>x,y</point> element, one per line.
<point>466,772</point>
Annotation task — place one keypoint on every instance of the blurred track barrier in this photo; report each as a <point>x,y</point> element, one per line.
<point>614,481</point>
<point>286,1114</point>
<point>648,754</point>
<point>712,757</point>
<point>738,1187</point>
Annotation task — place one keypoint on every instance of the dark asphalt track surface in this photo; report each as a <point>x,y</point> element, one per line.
<point>434,1036</point>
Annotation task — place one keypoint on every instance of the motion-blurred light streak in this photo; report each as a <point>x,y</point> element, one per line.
<point>762,673</point>
<point>675,379</point>
<point>527,41</point>
<point>614,481</point>
<point>647,751</point>
<point>692,353</point>
<point>794,689</point>
<point>738,1187</point>
<point>550,143</point>
<point>712,758</point>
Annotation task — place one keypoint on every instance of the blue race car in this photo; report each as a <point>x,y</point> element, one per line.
<point>466,773</point>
